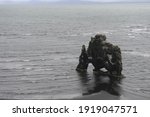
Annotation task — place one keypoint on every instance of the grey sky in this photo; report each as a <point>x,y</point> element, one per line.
<point>78,0</point>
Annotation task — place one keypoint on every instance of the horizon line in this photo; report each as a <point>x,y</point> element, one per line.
<point>73,2</point>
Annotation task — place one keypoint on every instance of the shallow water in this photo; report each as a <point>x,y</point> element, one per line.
<point>40,45</point>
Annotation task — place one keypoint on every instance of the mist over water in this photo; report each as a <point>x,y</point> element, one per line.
<point>40,46</point>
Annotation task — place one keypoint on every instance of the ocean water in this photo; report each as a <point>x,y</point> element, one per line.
<point>40,45</point>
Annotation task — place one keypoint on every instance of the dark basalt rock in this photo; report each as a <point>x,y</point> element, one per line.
<point>101,54</point>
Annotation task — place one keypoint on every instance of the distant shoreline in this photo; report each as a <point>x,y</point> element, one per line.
<point>66,3</point>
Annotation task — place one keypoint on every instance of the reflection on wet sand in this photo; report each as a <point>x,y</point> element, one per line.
<point>96,83</point>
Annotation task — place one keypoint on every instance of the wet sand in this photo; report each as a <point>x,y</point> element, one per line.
<point>103,95</point>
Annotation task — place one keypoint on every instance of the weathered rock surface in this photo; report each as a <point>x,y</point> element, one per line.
<point>101,54</point>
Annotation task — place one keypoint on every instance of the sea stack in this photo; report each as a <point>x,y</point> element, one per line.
<point>101,54</point>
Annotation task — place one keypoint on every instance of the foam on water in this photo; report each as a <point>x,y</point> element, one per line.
<point>134,53</point>
<point>139,29</point>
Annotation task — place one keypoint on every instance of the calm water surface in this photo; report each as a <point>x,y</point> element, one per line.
<point>40,45</point>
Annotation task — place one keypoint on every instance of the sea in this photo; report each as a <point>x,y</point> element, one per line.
<point>40,46</point>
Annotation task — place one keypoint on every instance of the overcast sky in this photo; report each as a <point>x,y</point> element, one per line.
<point>77,0</point>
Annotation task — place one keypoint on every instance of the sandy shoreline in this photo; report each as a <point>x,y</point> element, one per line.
<point>103,95</point>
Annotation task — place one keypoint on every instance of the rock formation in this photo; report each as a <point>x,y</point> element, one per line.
<point>101,54</point>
